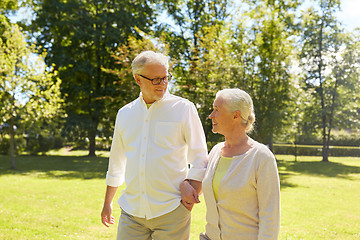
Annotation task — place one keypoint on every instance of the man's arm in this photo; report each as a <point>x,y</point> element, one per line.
<point>196,142</point>
<point>106,217</point>
<point>115,174</point>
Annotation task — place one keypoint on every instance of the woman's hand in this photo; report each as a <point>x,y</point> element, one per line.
<point>189,195</point>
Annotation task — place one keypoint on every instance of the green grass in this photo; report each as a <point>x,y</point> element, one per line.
<point>320,200</point>
<point>60,196</point>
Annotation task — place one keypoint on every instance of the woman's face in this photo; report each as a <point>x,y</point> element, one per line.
<point>222,119</point>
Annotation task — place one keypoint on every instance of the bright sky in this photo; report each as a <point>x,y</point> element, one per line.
<point>350,14</point>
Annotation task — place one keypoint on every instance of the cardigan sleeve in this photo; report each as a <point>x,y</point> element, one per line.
<point>268,190</point>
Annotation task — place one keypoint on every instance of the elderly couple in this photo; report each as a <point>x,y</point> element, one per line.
<point>156,138</point>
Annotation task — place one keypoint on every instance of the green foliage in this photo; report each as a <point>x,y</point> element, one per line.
<point>211,55</point>
<point>80,38</point>
<point>7,5</point>
<point>27,89</point>
<point>345,138</point>
<point>211,71</point>
<point>42,141</point>
<point>29,92</point>
<point>124,83</point>
<point>213,45</point>
<point>200,52</point>
<point>331,63</point>
<point>19,142</point>
<point>268,58</point>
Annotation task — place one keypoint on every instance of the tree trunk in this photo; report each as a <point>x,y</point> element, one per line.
<point>325,153</point>
<point>331,116</point>
<point>92,142</point>
<point>92,136</point>
<point>12,143</point>
<point>271,144</point>
<point>325,149</point>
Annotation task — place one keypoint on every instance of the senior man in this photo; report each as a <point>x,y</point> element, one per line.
<point>156,138</point>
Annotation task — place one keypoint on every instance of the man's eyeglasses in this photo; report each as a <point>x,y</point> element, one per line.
<point>157,81</point>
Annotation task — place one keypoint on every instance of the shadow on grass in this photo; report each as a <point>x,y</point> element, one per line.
<point>315,168</point>
<point>85,167</point>
<point>67,167</point>
<point>325,169</point>
<point>283,180</point>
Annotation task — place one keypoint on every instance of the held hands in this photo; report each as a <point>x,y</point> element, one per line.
<point>106,217</point>
<point>189,196</point>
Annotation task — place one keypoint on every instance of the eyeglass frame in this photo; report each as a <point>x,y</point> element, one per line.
<point>166,79</point>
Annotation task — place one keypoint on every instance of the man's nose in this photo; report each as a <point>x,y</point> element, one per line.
<point>163,81</point>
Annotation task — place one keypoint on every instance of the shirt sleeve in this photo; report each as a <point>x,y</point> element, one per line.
<point>196,142</point>
<point>268,189</point>
<point>115,176</point>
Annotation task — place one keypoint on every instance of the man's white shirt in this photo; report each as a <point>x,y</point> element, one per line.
<point>151,151</point>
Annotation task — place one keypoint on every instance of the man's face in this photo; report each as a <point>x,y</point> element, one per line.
<point>150,92</point>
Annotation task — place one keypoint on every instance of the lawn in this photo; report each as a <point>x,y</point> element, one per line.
<point>60,196</point>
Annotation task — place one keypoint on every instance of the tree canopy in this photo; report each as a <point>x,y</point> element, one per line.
<point>29,92</point>
<point>301,67</point>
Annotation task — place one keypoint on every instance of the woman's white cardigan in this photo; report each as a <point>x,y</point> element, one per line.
<point>249,196</point>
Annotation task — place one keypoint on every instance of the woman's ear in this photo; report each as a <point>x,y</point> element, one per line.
<point>237,114</point>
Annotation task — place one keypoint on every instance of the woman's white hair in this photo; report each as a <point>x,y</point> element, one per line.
<point>239,100</point>
<point>148,57</point>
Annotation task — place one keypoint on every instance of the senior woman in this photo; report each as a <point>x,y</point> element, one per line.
<point>241,185</point>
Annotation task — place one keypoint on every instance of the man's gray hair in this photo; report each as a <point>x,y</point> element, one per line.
<point>239,100</point>
<point>148,57</point>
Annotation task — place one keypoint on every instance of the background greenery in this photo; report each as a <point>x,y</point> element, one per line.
<point>60,196</point>
<point>65,70</point>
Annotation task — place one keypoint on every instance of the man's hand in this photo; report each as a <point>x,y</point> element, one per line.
<point>106,217</point>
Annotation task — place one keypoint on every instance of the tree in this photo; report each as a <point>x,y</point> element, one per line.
<point>253,55</point>
<point>7,6</point>
<point>330,60</point>
<point>28,91</point>
<point>125,84</point>
<point>197,46</point>
<point>80,37</point>
<point>267,64</point>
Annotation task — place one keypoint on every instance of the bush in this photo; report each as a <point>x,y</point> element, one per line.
<point>20,144</point>
<point>41,143</point>
<point>345,138</point>
<point>103,143</point>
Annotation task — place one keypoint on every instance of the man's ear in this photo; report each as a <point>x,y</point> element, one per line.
<point>137,79</point>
